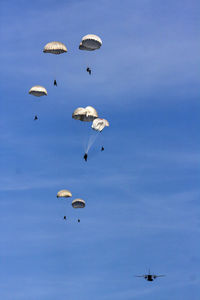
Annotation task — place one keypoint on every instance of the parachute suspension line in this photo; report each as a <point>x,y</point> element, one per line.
<point>87,60</point>
<point>56,67</point>
<point>86,135</point>
<point>92,140</point>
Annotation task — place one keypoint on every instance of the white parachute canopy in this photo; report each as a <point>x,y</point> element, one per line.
<point>86,114</point>
<point>99,124</point>
<point>55,48</point>
<point>78,203</point>
<point>38,91</point>
<point>91,41</point>
<point>64,194</point>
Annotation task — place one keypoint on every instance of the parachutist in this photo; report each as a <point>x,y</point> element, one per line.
<point>78,220</point>
<point>36,118</point>
<point>102,148</point>
<point>89,70</point>
<point>55,83</point>
<point>64,218</point>
<point>85,156</point>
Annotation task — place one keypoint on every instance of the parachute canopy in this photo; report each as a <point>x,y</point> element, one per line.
<point>64,193</point>
<point>91,41</point>
<point>87,114</point>
<point>78,203</point>
<point>38,91</point>
<point>99,124</point>
<point>81,47</point>
<point>55,48</point>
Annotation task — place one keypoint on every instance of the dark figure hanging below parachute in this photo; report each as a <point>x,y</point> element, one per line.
<point>65,218</point>
<point>55,83</point>
<point>36,118</point>
<point>89,70</point>
<point>102,148</point>
<point>85,156</point>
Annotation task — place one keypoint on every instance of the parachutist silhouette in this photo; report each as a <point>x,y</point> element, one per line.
<point>79,220</point>
<point>65,218</point>
<point>89,70</point>
<point>36,118</point>
<point>85,156</point>
<point>55,83</point>
<point>102,148</point>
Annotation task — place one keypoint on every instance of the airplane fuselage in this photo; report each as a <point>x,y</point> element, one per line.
<point>149,278</point>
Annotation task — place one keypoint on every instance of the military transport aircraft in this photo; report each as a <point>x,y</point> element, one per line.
<point>150,277</point>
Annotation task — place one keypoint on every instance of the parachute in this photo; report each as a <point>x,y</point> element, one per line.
<point>90,42</point>
<point>64,194</point>
<point>78,203</point>
<point>55,48</point>
<point>89,114</point>
<point>81,47</point>
<point>86,114</point>
<point>38,91</point>
<point>99,124</point>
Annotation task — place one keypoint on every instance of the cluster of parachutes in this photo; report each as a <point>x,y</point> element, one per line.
<point>89,42</point>
<point>76,203</point>
<point>89,114</point>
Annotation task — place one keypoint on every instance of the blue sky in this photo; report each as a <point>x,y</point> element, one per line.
<point>142,193</point>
